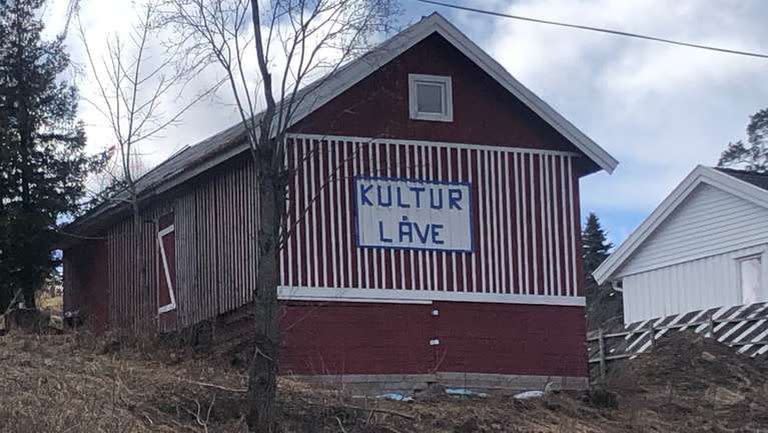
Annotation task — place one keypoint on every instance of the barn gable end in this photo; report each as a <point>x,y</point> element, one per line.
<point>484,112</point>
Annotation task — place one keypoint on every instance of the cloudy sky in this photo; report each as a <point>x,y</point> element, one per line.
<point>659,109</point>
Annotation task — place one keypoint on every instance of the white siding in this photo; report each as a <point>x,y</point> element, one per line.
<point>690,286</point>
<point>709,222</point>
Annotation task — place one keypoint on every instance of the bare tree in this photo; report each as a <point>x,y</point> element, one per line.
<point>133,80</point>
<point>291,43</point>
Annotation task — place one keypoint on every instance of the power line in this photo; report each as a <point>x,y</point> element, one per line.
<point>597,29</point>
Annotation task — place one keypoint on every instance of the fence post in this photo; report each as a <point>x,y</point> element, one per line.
<point>601,352</point>
<point>710,326</point>
<point>653,333</point>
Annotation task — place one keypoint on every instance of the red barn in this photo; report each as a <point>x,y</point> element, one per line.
<point>436,210</point>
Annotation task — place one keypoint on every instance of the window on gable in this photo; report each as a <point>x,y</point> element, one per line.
<point>430,97</point>
<point>750,277</point>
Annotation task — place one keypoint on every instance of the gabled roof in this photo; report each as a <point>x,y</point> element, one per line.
<point>214,150</point>
<point>750,186</point>
<point>759,180</point>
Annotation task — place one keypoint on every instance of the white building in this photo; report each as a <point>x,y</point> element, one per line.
<point>703,247</point>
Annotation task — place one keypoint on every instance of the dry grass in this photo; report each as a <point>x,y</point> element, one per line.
<point>76,383</point>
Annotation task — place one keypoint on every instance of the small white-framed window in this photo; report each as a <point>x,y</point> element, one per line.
<point>430,97</point>
<point>750,279</point>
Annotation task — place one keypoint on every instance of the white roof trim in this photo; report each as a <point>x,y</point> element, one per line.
<point>357,70</point>
<point>701,174</point>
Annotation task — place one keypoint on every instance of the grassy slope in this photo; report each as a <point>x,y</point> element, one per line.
<point>77,384</point>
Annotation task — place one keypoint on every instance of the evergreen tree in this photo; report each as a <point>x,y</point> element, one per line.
<point>43,164</point>
<point>595,245</point>
<point>752,155</point>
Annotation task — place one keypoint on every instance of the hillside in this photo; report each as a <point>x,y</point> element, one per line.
<point>77,384</point>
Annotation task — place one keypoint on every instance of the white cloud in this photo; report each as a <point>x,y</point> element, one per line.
<point>659,109</point>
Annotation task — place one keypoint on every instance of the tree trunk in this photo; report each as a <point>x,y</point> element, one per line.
<point>262,375</point>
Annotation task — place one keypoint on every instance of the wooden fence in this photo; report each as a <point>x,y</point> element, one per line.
<point>743,327</point>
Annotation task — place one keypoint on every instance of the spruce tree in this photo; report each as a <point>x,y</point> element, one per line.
<point>752,155</point>
<point>43,164</point>
<point>595,244</point>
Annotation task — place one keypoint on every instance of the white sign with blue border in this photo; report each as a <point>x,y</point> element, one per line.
<point>413,214</point>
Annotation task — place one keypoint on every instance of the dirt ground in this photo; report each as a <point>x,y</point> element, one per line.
<point>76,383</point>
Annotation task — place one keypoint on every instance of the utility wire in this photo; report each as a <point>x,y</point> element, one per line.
<point>597,29</point>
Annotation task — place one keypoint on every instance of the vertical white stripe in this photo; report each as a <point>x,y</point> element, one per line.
<point>297,174</point>
<point>481,217</point>
<point>442,175</point>
<point>525,223</point>
<point>488,221</point>
<point>364,273</point>
<point>464,256</point>
<point>491,197</point>
<point>497,233</point>
<point>350,243</point>
<point>333,181</point>
<point>491,226</point>
<point>518,245</point>
<point>544,226</point>
<point>421,158</point>
<point>285,232</point>
<point>508,259</point>
<point>433,256</point>
<point>319,194</point>
<point>378,256</point>
<point>566,228</point>
<point>550,225</point>
<point>534,235</point>
<point>307,212</point>
<point>401,264</point>
<point>477,242</point>
<point>452,177</point>
<point>411,169</point>
<point>575,225</point>
<point>385,171</point>
<point>432,259</point>
<point>554,227</point>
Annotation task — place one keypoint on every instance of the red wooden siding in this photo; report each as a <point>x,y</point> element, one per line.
<point>525,218</point>
<point>525,208</point>
<point>85,282</point>
<point>511,339</point>
<point>355,338</point>
<point>361,338</point>
<point>484,112</point>
<point>213,241</point>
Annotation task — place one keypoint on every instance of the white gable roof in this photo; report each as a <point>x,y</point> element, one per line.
<point>359,69</point>
<point>700,175</point>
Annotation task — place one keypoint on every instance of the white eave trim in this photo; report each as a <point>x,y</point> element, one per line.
<point>451,145</point>
<point>701,174</point>
<point>400,296</point>
<point>357,70</point>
